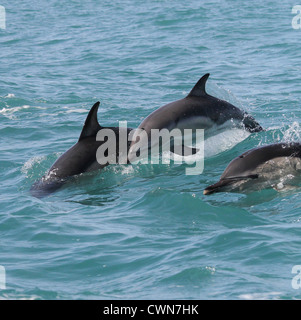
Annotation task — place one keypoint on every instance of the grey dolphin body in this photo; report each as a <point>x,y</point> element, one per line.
<point>80,158</point>
<point>260,168</point>
<point>198,110</point>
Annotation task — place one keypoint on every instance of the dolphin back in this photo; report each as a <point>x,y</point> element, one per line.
<point>45,186</point>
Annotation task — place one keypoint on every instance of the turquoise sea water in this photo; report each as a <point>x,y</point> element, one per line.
<point>144,232</point>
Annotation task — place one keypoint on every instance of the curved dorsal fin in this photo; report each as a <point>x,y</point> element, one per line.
<point>199,89</point>
<point>91,126</point>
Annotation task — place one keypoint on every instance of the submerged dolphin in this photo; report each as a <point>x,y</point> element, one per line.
<point>198,110</point>
<point>79,158</point>
<point>258,168</point>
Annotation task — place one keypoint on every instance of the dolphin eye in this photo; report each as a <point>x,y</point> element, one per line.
<point>241,157</point>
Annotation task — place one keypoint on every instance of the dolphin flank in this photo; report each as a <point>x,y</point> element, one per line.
<point>260,168</point>
<point>198,110</point>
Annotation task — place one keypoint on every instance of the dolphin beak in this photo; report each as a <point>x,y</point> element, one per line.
<point>207,191</point>
<point>217,186</point>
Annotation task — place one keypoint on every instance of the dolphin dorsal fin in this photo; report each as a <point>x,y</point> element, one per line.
<point>91,126</point>
<point>199,89</point>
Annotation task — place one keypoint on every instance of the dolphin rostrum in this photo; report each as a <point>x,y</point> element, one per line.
<point>198,110</point>
<point>262,167</point>
<point>81,157</point>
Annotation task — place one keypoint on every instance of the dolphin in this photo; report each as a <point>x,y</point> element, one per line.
<point>261,167</point>
<point>80,158</point>
<point>198,110</point>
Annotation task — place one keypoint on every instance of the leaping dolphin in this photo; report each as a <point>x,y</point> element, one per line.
<point>198,110</point>
<point>80,158</point>
<point>259,168</point>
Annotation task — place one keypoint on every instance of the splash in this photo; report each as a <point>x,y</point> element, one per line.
<point>293,133</point>
<point>31,165</point>
<point>10,95</point>
<point>38,165</point>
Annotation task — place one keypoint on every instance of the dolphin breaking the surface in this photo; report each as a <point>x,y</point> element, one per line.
<point>198,110</point>
<point>263,167</point>
<point>80,158</point>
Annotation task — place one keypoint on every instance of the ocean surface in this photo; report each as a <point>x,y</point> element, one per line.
<point>144,231</point>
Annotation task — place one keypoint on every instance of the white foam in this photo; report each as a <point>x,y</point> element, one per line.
<point>293,133</point>
<point>260,296</point>
<point>28,165</point>
<point>127,170</point>
<point>10,95</point>
<point>9,112</point>
<point>76,110</point>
